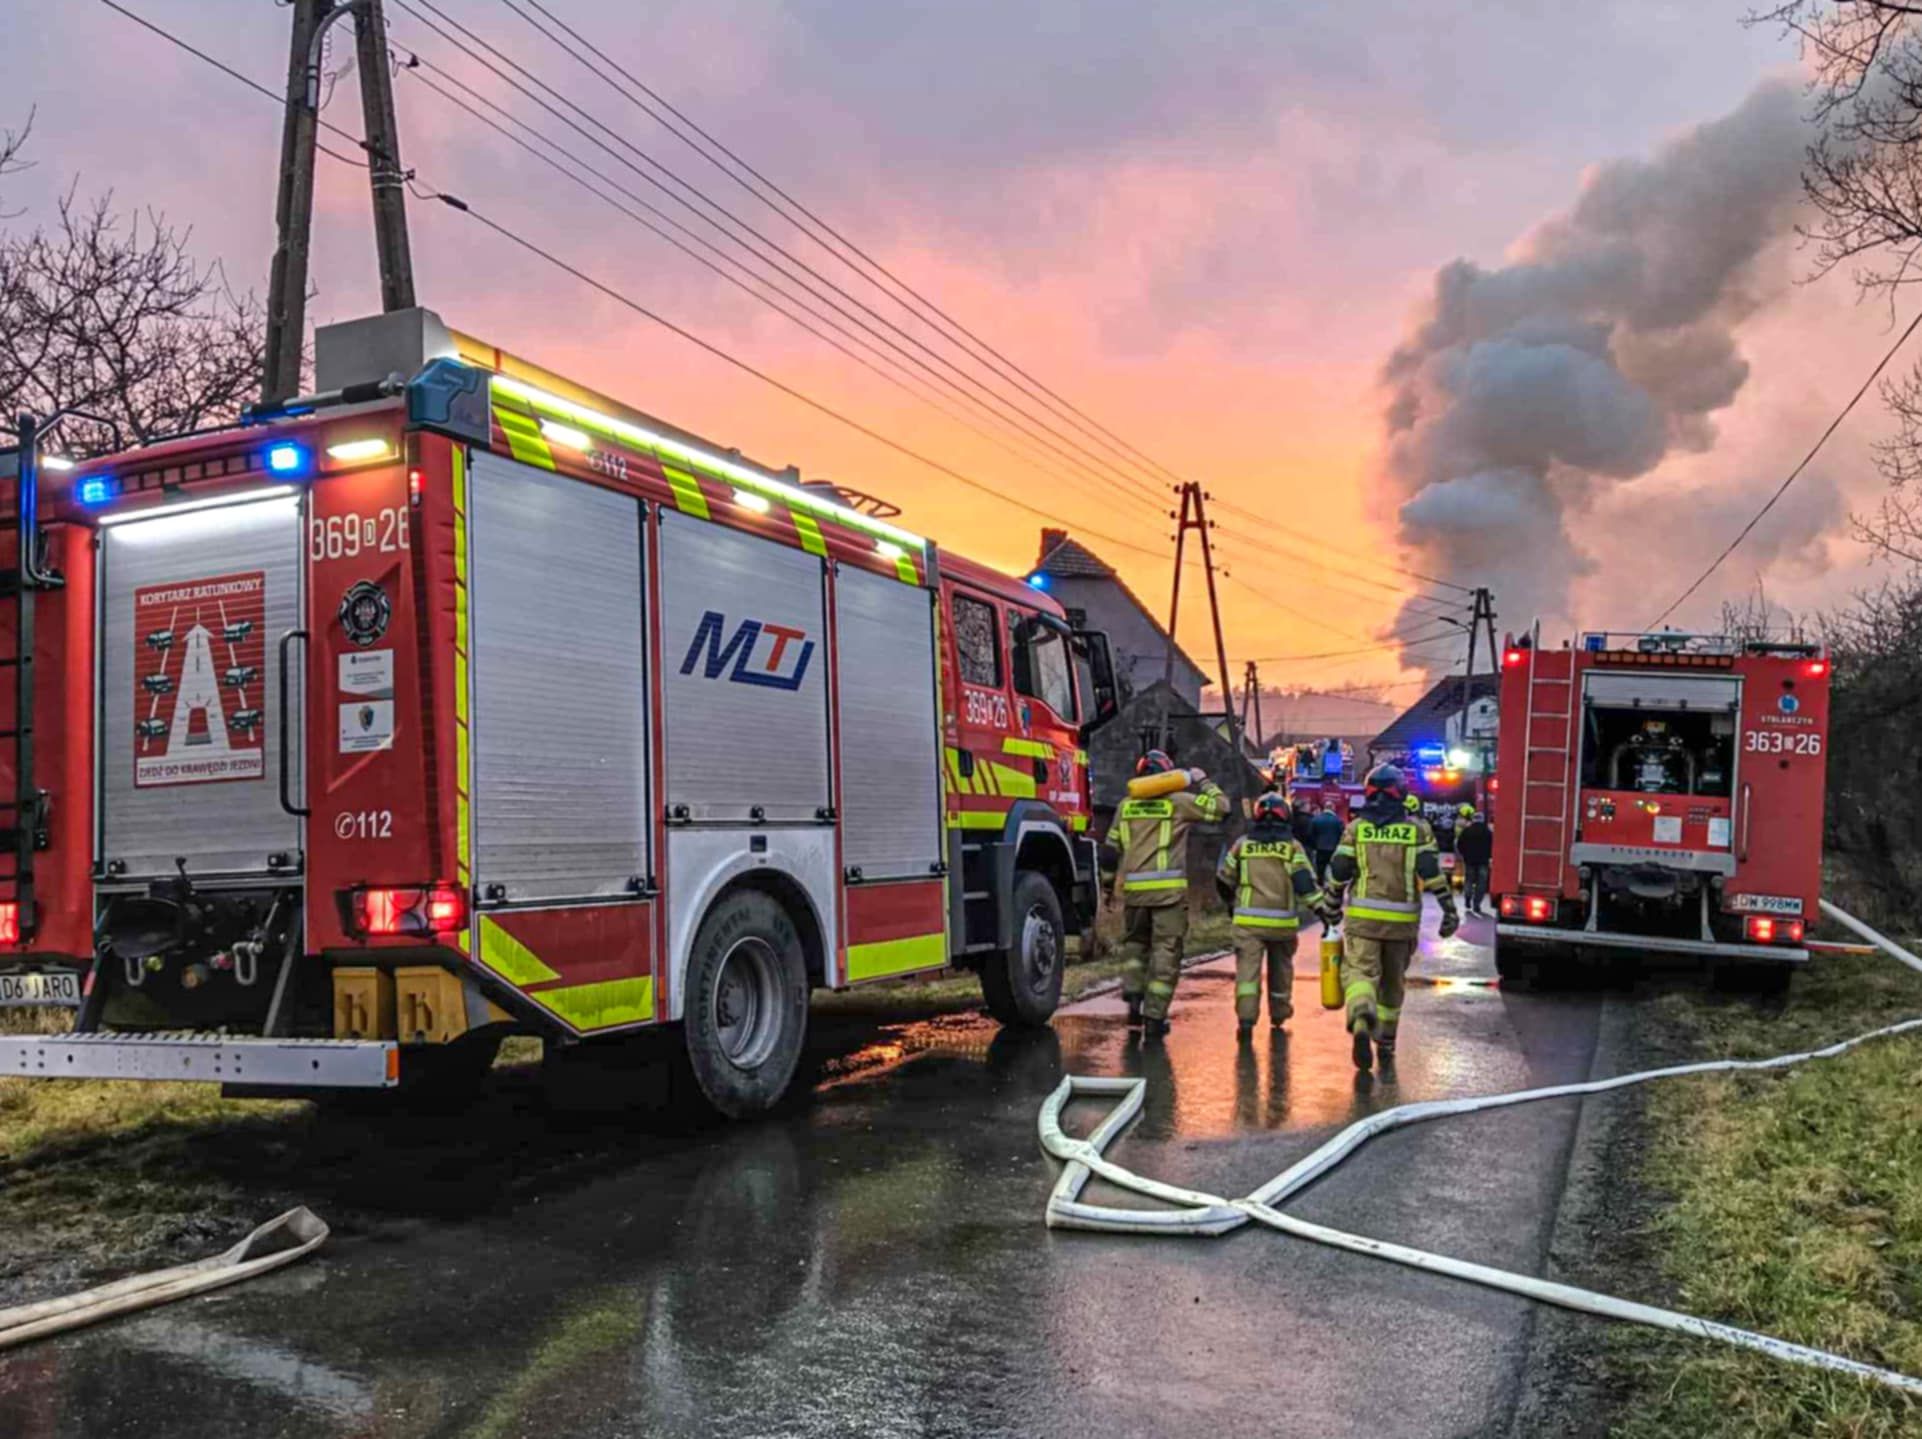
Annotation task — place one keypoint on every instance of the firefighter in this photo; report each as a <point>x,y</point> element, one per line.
<point>1386,858</point>
<point>1152,835</point>
<point>1267,876</point>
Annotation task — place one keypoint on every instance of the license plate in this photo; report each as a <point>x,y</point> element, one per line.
<point>1764,904</point>
<point>47,988</point>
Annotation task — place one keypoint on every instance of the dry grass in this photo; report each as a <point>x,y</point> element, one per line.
<point>1795,1209</point>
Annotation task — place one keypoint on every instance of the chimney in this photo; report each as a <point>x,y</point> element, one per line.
<point>1051,540</point>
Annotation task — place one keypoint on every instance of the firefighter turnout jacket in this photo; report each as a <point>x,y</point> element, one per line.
<point>1386,859</point>
<point>1268,877</point>
<point>1152,835</point>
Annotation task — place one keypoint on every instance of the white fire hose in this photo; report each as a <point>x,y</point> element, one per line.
<point>1197,1213</point>
<point>294,1235</point>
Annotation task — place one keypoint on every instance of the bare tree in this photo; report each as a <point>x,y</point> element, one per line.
<point>110,313</point>
<point>1863,180</point>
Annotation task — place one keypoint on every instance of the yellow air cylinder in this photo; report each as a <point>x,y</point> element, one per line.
<point>1331,969</point>
<point>1153,786</point>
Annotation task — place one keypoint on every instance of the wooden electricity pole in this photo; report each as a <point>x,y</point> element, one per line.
<point>294,205</point>
<point>1194,516</point>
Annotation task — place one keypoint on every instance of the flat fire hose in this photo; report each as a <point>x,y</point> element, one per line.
<point>1197,1213</point>
<point>292,1236</point>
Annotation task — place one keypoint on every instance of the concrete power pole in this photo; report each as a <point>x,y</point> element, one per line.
<point>1194,516</point>
<point>294,207</point>
<point>384,172</point>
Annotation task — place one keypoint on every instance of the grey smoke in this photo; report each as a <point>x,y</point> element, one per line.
<point>1525,392</point>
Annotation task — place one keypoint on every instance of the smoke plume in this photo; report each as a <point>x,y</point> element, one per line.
<point>1526,393</point>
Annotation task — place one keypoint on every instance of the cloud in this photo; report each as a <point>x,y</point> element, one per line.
<point>1527,395</point>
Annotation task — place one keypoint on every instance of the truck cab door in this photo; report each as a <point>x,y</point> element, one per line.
<point>1094,678</point>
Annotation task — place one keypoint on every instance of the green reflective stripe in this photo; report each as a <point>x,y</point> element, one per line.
<point>1357,989</point>
<point>1404,907</point>
<point>1161,987</point>
<point>1136,886</point>
<point>1164,841</point>
<point>1362,911</point>
<point>688,497</point>
<point>601,1005</point>
<point>524,438</point>
<point>1146,809</point>
<point>1156,874</point>
<point>1388,1013</point>
<point>896,956</point>
<point>509,958</point>
<point>1242,991</point>
<point>1347,849</point>
<point>810,531</point>
<point>977,819</point>
<point>1032,748</point>
<point>1256,921</point>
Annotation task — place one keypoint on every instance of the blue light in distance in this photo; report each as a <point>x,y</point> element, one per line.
<point>1037,581</point>
<point>95,491</point>
<point>286,458</point>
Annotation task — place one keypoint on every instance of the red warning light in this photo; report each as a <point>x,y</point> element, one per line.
<point>1512,657</point>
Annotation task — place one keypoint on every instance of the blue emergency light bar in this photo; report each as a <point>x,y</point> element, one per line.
<point>95,490</point>
<point>286,458</point>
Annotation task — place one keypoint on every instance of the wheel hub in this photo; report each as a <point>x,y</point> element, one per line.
<point>747,1002</point>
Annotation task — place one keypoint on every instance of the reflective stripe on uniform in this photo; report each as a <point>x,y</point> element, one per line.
<point>1161,987</point>
<point>1242,991</point>
<point>1267,919</point>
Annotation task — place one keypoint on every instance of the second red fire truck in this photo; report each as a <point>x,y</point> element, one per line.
<point>1659,792</point>
<point>456,701</point>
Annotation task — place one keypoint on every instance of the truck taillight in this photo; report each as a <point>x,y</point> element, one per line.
<point>9,923</point>
<point>422,910</point>
<point>1514,657</point>
<point>1535,908</point>
<point>1766,929</point>
<point>1815,669</point>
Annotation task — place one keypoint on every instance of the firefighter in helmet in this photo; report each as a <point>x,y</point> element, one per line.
<point>1268,878</point>
<point>1386,859</point>
<point>1152,835</point>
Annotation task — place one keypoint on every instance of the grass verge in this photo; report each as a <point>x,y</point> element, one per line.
<point>1788,1204</point>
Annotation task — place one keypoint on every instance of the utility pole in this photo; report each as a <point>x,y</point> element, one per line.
<point>294,206</point>
<point>384,171</point>
<point>1483,618</point>
<point>1251,690</point>
<point>1194,516</point>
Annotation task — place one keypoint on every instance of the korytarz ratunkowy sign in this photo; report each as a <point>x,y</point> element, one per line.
<point>200,686</point>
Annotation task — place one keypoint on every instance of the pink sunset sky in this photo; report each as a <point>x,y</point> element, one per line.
<point>1208,225</point>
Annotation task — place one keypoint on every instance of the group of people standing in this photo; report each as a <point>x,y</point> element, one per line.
<point>1369,882</point>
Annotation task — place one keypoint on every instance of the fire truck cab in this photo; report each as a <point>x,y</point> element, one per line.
<point>1659,792</point>
<point>456,701</point>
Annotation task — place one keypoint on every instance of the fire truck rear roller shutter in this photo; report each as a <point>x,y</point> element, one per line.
<point>560,717</point>
<point>890,745</point>
<point>245,557</point>
<point>1651,691</point>
<point>744,675</point>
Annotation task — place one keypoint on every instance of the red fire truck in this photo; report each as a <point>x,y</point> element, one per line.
<point>1659,792</point>
<point>464,702</point>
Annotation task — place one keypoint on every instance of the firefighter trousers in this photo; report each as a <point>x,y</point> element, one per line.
<point>1371,979</point>
<point>1277,951</point>
<point>1151,939</point>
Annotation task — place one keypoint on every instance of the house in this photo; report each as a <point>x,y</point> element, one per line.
<point>1455,714</point>
<point>1096,598</point>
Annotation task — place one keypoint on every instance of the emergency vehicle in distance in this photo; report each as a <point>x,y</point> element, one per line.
<point>414,713</point>
<point>1659,792</point>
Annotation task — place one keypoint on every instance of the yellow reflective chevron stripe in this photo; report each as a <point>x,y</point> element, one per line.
<point>1078,822</point>
<point>976,819</point>
<point>1016,784</point>
<point>896,956</point>
<point>809,530</point>
<point>524,437</point>
<point>687,491</point>
<point>509,958</point>
<point>602,1004</point>
<point>904,569</point>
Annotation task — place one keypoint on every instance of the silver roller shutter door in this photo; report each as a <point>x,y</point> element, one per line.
<point>744,675</point>
<point>891,824</point>
<point>559,685</point>
<point>1655,690</point>
<point>226,825</point>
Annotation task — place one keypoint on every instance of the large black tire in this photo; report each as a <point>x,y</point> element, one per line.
<point>747,1003</point>
<point>1517,968</point>
<point>1022,984</point>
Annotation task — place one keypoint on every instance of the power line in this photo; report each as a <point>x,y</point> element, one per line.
<point>1793,474</point>
<point>1247,514</point>
<point>1393,642</point>
<point>1089,425</point>
<point>732,227</point>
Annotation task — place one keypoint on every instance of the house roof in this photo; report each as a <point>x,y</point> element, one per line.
<point>1067,558</point>
<point>1425,717</point>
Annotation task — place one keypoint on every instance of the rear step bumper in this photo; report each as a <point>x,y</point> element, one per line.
<point>210,1058</point>
<point>1542,934</point>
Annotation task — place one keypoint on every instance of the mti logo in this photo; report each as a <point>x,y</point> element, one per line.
<point>786,655</point>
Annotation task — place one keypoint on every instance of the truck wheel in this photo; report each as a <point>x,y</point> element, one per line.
<point>1022,984</point>
<point>1516,971</point>
<point>747,1003</point>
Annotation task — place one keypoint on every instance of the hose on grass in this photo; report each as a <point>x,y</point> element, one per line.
<point>1193,1212</point>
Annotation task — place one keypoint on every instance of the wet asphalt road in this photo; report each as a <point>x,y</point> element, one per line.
<point>875,1263</point>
